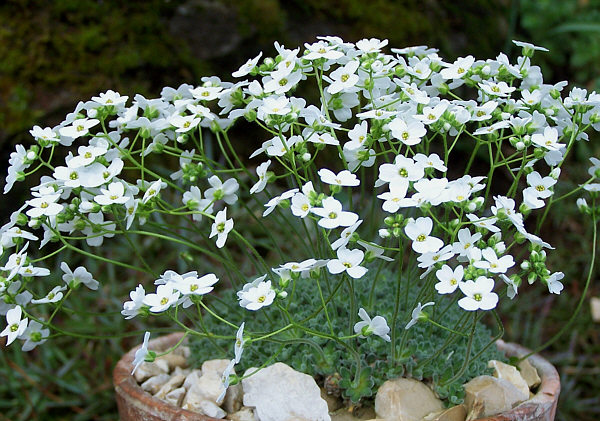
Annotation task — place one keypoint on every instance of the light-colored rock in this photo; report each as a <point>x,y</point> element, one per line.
<point>184,351</point>
<point>173,383</point>
<point>175,396</point>
<point>494,394</point>
<point>184,371</point>
<point>405,400</point>
<point>455,413</point>
<point>209,385</point>
<point>333,402</point>
<point>207,408</point>
<point>192,378</point>
<point>173,360</point>
<point>154,383</point>
<point>280,393</point>
<point>510,373</point>
<point>244,414</point>
<point>476,412</point>
<point>529,373</point>
<point>147,370</point>
<point>595,308</point>
<point>162,364</point>
<point>233,398</point>
<point>217,366</point>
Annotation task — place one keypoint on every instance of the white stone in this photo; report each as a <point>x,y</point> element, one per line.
<point>192,378</point>
<point>173,360</point>
<point>147,370</point>
<point>175,396</point>
<point>154,383</point>
<point>207,408</point>
<point>455,413</point>
<point>510,373</point>
<point>244,414</point>
<point>217,366</point>
<point>173,383</point>
<point>233,398</point>
<point>489,395</point>
<point>162,364</point>
<point>280,393</point>
<point>529,373</point>
<point>405,400</point>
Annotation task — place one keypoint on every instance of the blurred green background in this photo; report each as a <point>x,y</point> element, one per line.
<point>53,54</point>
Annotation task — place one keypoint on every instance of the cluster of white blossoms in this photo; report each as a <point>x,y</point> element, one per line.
<point>399,155</point>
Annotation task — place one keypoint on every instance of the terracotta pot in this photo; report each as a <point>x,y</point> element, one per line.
<point>136,405</point>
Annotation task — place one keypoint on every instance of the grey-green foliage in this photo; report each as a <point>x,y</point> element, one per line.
<point>323,358</point>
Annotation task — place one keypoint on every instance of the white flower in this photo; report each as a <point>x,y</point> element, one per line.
<point>225,380</point>
<point>34,335</point>
<point>459,68</point>
<point>206,93</point>
<point>348,261</point>
<point>114,194</point>
<point>271,204</point>
<point>78,128</point>
<point>372,45</point>
<point>430,258</point>
<point>432,114</point>
<point>165,297</point>
<point>14,325</point>
<point>300,205</point>
<point>417,314</point>
<point>554,284</point>
<point>548,140</point>
<point>261,171</point>
<point>494,264</point>
<point>332,215</point>
<point>44,205</point>
<point>275,105</point>
<point>367,326</point>
<point>192,285</point>
<point>479,295</point>
<point>403,169</point>
<point>238,348</point>
<point>247,67</point>
<point>52,297</point>
<point>152,191</point>
<point>343,178</point>
<point>526,45</point>
<point>419,232</point>
<point>344,77</point>
<point>448,279</point>
<point>409,131</point>
<point>219,190</point>
<point>256,295</point>
<point>221,227</point>
<point>321,49</point>
<point>132,308</point>
<point>357,136</point>
<point>393,198</point>
<point>79,276</point>
<point>431,161</point>
<point>511,286</point>
<point>281,81</point>
<point>487,223</point>
<point>141,353</point>
<point>345,236</point>
<point>500,89</point>
<point>541,185</point>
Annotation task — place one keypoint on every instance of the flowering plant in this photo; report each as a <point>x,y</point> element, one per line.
<point>412,188</point>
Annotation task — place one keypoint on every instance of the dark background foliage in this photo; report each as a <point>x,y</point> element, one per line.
<point>53,54</point>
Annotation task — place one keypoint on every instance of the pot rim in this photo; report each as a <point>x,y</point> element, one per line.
<point>543,402</point>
